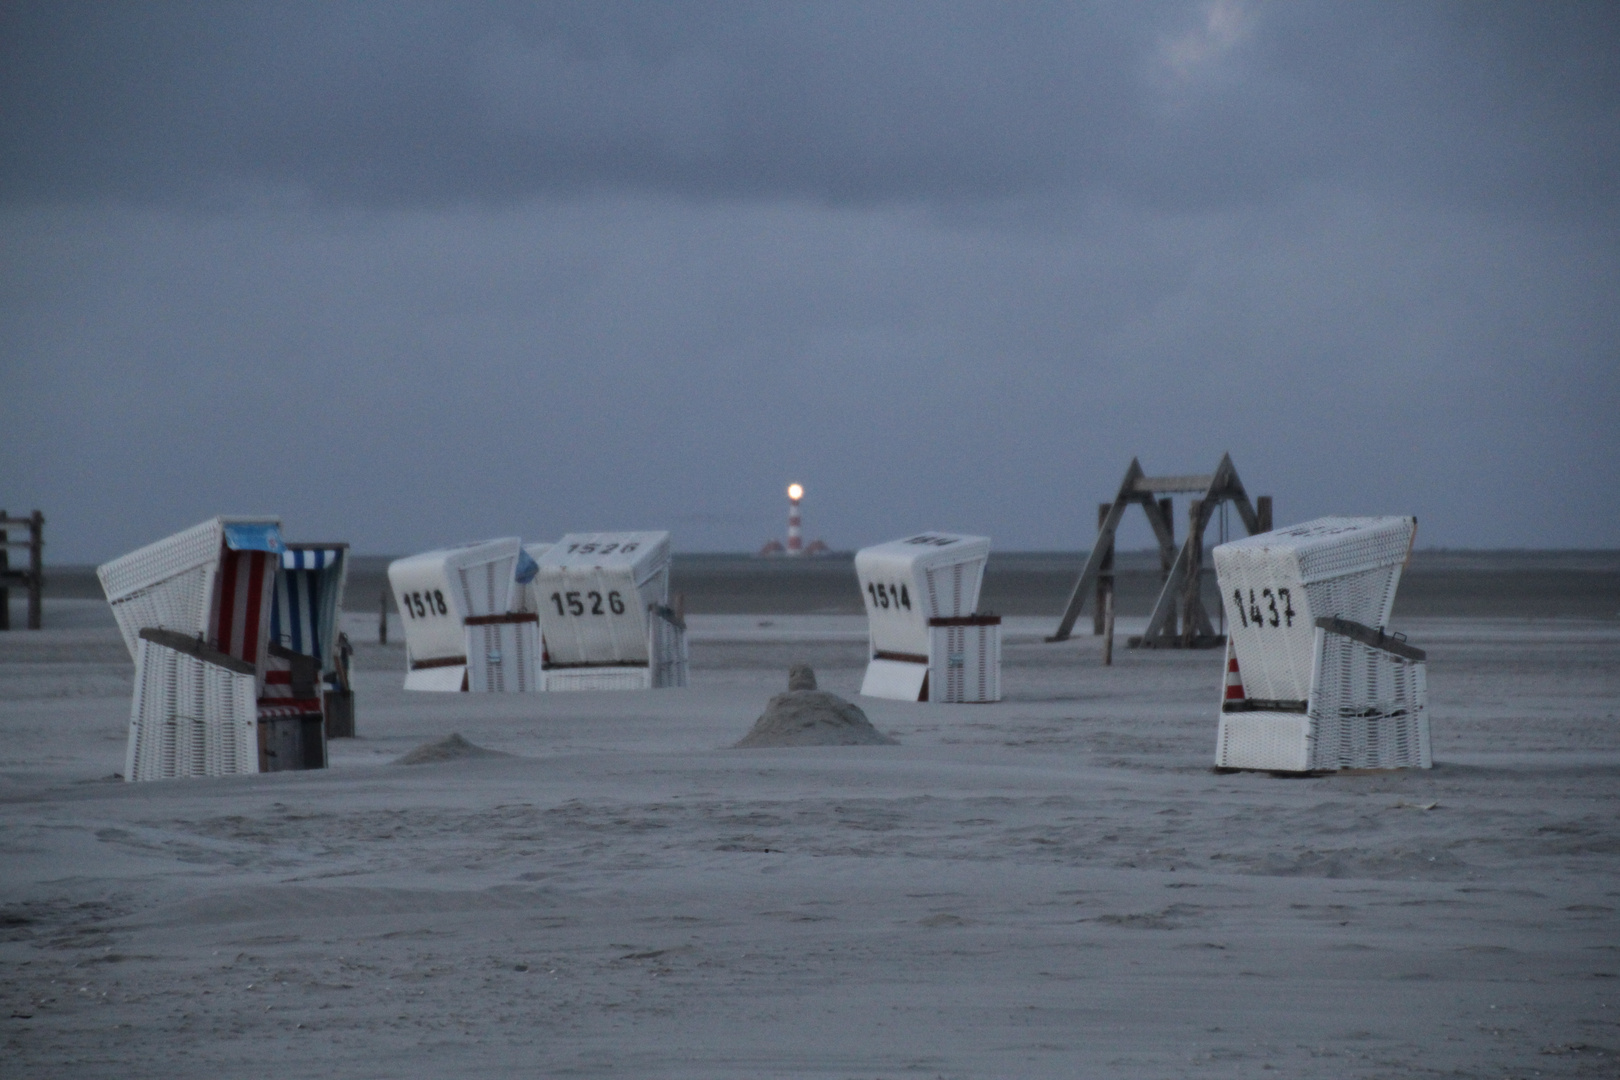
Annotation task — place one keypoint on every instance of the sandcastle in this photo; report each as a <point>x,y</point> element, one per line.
<point>805,716</point>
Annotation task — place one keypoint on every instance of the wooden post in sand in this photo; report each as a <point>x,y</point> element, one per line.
<point>1192,603</point>
<point>1105,572</point>
<point>36,570</point>
<point>1108,629</point>
<point>5,593</point>
<point>33,579</point>
<point>1167,555</point>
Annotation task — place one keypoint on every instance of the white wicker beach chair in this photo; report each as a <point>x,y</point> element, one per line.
<point>927,642</point>
<point>1313,681</point>
<point>465,627</point>
<point>604,614</point>
<point>194,713</point>
<point>196,610</point>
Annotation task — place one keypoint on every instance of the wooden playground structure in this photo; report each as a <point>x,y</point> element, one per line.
<point>1179,620</point>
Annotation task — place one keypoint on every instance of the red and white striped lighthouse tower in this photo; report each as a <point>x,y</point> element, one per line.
<point>795,537</point>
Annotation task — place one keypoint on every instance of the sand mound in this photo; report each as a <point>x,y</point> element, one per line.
<point>811,717</point>
<point>450,748</point>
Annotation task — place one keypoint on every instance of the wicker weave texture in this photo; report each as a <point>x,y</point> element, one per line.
<point>182,603</point>
<point>954,590</point>
<point>1332,546</point>
<point>161,560</point>
<point>904,583</point>
<point>1368,708</point>
<point>616,678</point>
<point>964,664</point>
<point>153,704</point>
<point>170,584</point>
<point>1366,597</point>
<point>668,667</point>
<point>503,658</point>
<point>167,584</point>
<point>189,718</point>
<point>1264,740</point>
<point>594,592</point>
<point>1275,586</point>
<point>654,589</point>
<point>671,661</point>
<point>1369,543</point>
<point>485,586</point>
<point>231,715</point>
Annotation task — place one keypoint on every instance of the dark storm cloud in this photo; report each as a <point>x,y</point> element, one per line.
<point>1173,106</point>
<point>410,274</point>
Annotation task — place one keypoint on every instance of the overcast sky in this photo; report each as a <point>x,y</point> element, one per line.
<point>407,275</point>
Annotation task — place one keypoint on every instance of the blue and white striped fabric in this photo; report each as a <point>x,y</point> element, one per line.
<point>297,609</point>
<point>310,558</point>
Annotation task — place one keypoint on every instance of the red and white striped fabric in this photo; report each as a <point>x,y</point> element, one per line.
<point>242,605</point>
<point>271,709</point>
<point>1234,681</point>
<point>277,678</point>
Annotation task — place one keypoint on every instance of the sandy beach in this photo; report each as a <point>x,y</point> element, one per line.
<point>624,328</point>
<point>1056,885</point>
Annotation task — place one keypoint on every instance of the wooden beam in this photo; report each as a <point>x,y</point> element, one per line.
<point>1164,527</point>
<point>1191,605</point>
<point>184,643</point>
<point>1108,631</point>
<point>1374,638</point>
<point>1105,573</point>
<point>1104,544</point>
<point>1157,485</point>
<point>1162,621</point>
<point>36,570</point>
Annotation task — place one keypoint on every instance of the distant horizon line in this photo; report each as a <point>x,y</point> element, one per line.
<point>838,554</point>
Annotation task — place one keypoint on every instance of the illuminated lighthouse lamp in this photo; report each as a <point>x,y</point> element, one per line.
<point>1313,681</point>
<point>927,641</point>
<point>605,619</point>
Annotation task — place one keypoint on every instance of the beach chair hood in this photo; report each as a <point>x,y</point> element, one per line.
<point>211,581</point>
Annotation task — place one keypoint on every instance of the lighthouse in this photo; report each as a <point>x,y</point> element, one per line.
<point>795,536</point>
<point>796,547</point>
